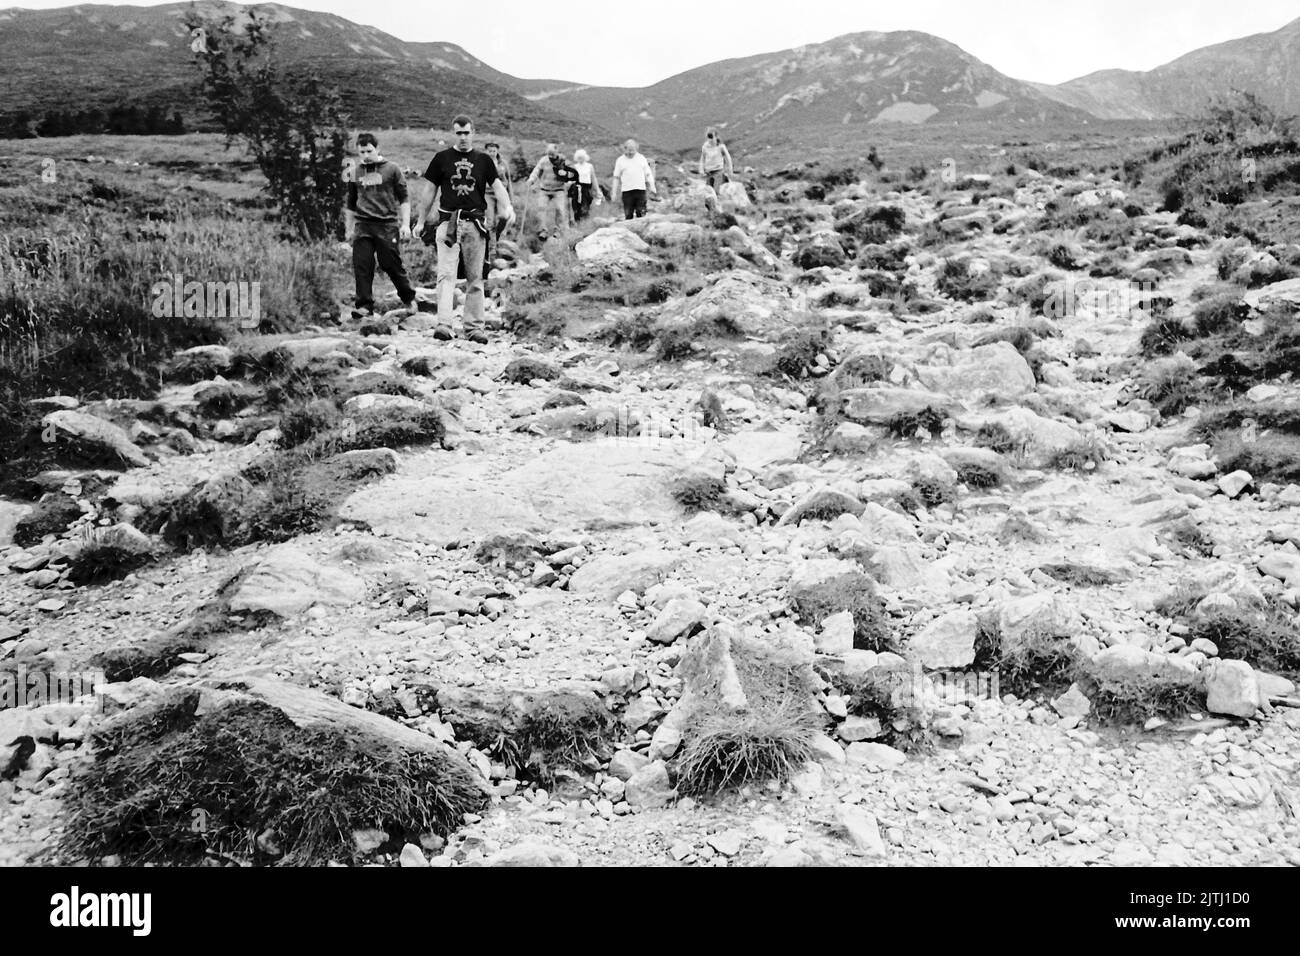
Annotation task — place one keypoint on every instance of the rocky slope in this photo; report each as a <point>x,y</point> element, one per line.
<point>541,553</point>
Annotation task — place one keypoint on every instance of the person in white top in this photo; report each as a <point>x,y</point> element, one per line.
<point>633,178</point>
<point>585,192</point>
<point>715,160</point>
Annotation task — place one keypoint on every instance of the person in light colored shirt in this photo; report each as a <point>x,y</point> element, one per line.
<point>715,160</point>
<point>633,180</point>
<point>584,192</point>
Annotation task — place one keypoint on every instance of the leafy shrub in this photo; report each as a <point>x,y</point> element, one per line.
<point>906,424</point>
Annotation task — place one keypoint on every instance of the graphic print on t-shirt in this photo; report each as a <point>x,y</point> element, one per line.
<point>462,181</point>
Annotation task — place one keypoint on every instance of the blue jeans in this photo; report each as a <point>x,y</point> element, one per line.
<point>470,244</point>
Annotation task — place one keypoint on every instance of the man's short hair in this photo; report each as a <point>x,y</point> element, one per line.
<point>630,142</point>
<point>462,120</point>
<point>491,145</point>
<point>367,139</point>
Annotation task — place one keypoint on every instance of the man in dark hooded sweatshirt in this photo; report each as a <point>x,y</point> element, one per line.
<point>379,218</point>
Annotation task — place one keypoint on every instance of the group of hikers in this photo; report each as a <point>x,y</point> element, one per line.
<point>470,207</point>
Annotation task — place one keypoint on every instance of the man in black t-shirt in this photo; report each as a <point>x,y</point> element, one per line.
<point>461,177</point>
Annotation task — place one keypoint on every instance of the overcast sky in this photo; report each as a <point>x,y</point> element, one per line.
<point>610,44</point>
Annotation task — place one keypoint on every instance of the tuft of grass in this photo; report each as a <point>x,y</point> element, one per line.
<point>1084,454</point>
<point>797,353</point>
<point>252,771</point>
<point>852,591</point>
<point>931,492</point>
<point>975,475</point>
<point>956,281</point>
<point>770,740</point>
<point>890,695</point>
<point>1267,639</point>
<point>1134,700</point>
<point>1081,575</point>
<point>996,436</point>
<point>1219,315</point>
<point>697,491</point>
<point>905,425</point>
<point>1037,664</point>
<point>1170,384</point>
<point>524,369</point>
<point>105,562</point>
<point>150,658</point>
<point>1267,458</point>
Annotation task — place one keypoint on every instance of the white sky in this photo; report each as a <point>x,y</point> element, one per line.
<point>611,44</point>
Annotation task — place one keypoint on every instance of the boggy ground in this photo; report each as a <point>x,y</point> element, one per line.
<point>817,383</point>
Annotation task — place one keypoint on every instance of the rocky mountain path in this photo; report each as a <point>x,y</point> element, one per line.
<point>570,474</point>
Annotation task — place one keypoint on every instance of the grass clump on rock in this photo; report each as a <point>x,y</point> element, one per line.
<point>759,728</point>
<point>849,590</point>
<point>269,790</point>
<point>1266,638</point>
<point>1137,698</point>
<point>905,425</point>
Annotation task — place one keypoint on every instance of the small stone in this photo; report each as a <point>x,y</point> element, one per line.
<point>862,829</point>
<point>728,842</point>
<point>625,763</point>
<point>875,756</point>
<point>650,787</point>
<point>412,855</point>
<point>859,728</point>
<point>1234,483</point>
<point>1231,689</point>
<point>836,635</point>
<point>1072,703</point>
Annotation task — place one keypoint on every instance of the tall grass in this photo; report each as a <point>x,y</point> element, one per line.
<point>77,263</point>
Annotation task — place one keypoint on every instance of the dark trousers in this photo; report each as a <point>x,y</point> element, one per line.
<point>580,196</point>
<point>633,203</point>
<point>378,241</point>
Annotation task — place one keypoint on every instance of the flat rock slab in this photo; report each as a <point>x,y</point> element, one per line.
<point>606,483</point>
<point>288,581</point>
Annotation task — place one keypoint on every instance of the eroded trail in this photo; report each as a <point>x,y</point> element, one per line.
<point>547,556</point>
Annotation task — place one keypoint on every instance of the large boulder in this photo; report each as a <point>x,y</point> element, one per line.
<point>877,405</point>
<point>748,302</point>
<point>665,232</point>
<point>997,368</point>
<point>613,246</point>
<point>694,197</point>
<point>288,581</point>
<point>947,641</point>
<point>757,449</point>
<point>608,576</point>
<point>1286,291</point>
<point>10,514</point>
<point>1041,615</point>
<point>91,438</point>
<point>822,249</point>
<point>732,197</point>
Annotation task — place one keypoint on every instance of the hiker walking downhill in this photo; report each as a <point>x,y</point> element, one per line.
<point>462,176</point>
<point>378,218</point>
<point>495,223</point>
<point>553,175</point>
<point>633,178</point>
<point>715,160</point>
<point>586,190</point>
